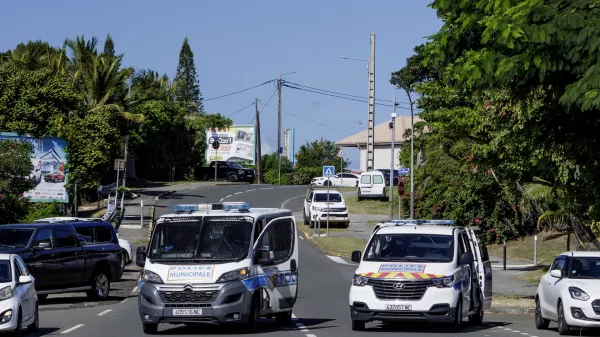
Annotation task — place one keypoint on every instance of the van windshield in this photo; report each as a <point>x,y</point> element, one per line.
<point>411,248</point>
<point>215,239</point>
<point>333,197</point>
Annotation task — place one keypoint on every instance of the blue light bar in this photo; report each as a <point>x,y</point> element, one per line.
<point>236,205</point>
<point>185,208</point>
<point>422,222</point>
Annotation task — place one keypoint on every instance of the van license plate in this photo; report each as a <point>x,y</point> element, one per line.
<point>399,307</point>
<point>187,312</point>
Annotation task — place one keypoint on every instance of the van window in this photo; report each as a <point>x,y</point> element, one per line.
<point>279,237</point>
<point>482,246</point>
<point>86,233</point>
<point>377,179</point>
<point>366,179</point>
<point>103,234</point>
<point>333,197</point>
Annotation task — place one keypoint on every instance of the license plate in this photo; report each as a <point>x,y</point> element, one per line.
<point>187,312</point>
<point>399,307</point>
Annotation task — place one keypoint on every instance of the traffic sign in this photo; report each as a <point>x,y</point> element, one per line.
<point>216,144</point>
<point>119,164</point>
<point>403,171</point>
<point>340,153</point>
<point>328,171</point>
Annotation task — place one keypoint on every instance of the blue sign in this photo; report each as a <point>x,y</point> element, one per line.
<point>215,136</point>
<point>403,171</point>
<point>328,171</point>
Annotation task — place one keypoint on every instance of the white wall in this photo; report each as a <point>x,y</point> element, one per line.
<point>382,158</point>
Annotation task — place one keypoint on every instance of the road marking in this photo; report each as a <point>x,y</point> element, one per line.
<point>524,334</point>
<point>123,301</point>
<point>310,335</point>
<point>292,198</point>
<point>105,312</point>
<point>251,190</point>
<point>301,238</point>
<point>134,289</point>
<point>238,193</point>
<point>267,188</point>
<point>299,325</point>
<point>337,259</point>
<point>73,328</point>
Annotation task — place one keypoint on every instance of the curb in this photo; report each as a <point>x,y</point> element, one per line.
<point>321,248</point>
<point>511,311</point>
<point>229,184</point>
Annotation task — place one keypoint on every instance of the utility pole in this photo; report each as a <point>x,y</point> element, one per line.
<point>412,157</point>
<point>258,149</point>
<point>279,130</point>
<point>371,126</point>
<point>393,127</point>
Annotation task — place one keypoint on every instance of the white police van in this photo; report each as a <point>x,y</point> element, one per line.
<point>219,263</point>
<point>421,270</point>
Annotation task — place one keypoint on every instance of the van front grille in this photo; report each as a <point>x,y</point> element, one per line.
<point>188,296</point>
<point>399,290</point>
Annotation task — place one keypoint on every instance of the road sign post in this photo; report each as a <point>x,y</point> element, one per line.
<point>341,155</point>
<point>328,171</point>
<point>119,166</point>
<point>216,145</point>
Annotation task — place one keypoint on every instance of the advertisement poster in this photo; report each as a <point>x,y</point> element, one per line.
<point>236,143</point>
<point>48,161</point>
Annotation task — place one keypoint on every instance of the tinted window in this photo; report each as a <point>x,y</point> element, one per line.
<point>44,235</point>
<point>585,267</point>
<point>279,237</point>
<point>5,271</point>
<point>333,197</point>
<point>64,238</point>
<point>18,272</point>
<point>482,246</point>
<point>366,179</point>
<point>377,179</point>
<point>103,234</point>
<point>15,238</point>
<point>22,267</point>
<point>560,264</point>
<point>85,233</point>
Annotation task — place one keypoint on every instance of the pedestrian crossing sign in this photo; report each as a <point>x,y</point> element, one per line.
<point>328,171</point>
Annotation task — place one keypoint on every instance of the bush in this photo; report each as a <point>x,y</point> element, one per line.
<point>303,175</point>
<point>42,210</point>
<point>272,177</point>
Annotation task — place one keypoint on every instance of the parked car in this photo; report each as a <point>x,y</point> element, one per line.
<point>54,177</point>
<point>125,245</point>
<point>343,179</point>
<point>18,299</point>
<point>371,185</point>
<point>59,261</point>
<point>569,293</point>
<point>227,170</point>
<point>386,174</point>
<point>316,207</point>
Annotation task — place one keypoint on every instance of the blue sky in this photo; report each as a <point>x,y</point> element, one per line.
<point>238,44</point>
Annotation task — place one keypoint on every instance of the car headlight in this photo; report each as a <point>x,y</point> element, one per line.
<point>6,317</point>
<point>359,280</point>
<point>151,277</point>
<point>234,275</point>
<point>6,293</point>
<point>578,294</point>
<point>444,282</point>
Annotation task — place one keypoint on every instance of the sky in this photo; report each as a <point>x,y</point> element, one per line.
<point>239,44</point>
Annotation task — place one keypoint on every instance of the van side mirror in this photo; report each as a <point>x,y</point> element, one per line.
<point>466,259</point>
<point>263,255</point>
<point>356,256</point>
<point>140,256</point>
<point>25,279</point>
<point>556,273</point>
<point>42,246</point>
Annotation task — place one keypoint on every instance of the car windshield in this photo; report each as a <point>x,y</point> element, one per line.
<point>411,247</point>
<point>15,237</point>
<point>234,165</point>
<point>333,197</point>
<point>5,271</point>
<point>584,267</point>
<point>215,239</point>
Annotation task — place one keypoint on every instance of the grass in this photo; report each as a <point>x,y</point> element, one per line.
<point>372,223</point>
<point>548,246</point>
<point>512,302</point>
<point>141,242</point>
<point>333,228</point>
<point>341,245</point>
<point>370,206</point>
<point>533,276</point>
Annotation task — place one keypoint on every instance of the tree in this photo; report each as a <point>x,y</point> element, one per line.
<point>109,47</point>
<point>187,88</point>
<point>319,153</point>
<point>15,170</point>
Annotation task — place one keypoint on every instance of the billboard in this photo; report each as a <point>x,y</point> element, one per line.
<point>289,145</point>
<point>237,143</point>
<point>48,161</point>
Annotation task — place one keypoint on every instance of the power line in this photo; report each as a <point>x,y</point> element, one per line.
<point>237,92</point>
<point>270,98</point>
<point>244,108</point>
<point>333,121</point>
<point>338,93</point>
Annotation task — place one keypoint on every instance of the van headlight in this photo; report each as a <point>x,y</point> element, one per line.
<point>6,293</point>
<point>234,275</point>
<point>444,282</point>
<point>578,294</point>
<point>359,280</point>
<point>151,277</point>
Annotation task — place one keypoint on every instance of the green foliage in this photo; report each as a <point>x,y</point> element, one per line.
<point>318,153</point>
<point>187,88</point>
<point>304,175</point>
<point>42,210</point>
<point>15,169</point>
<point>109,46</point>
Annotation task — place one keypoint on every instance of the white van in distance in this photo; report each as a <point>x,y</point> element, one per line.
<point>421,270</point>
<point>371,185</point>
<point>219,263</point>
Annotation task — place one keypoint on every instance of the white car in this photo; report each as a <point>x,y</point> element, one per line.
<point>339,180</point>
<point>18,298</point>
<point>316,208</point>
<point>371,185</point>
<point>569,294</point>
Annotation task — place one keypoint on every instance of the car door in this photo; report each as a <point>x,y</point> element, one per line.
<point>483,265</point>
<point>21,292</point>
<point>378,184</point>
<point>44,263</point>
<point>307,203</point>
<point>28,302</point>
<point>463,276</point>
<point>70,254</point>
<point>550,286</point>
<point>222,171</point>
<point>279,237</point>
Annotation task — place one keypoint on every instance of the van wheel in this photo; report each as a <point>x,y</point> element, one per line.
<point>312,224</point>
<point>456,325</point>
<point>358,325</point>
<point>233,177</point>
<point>100,287</point>
<point>150,328</point>
<point>251,325</point>
<point>284,318</point>
<point>305,219</point>
<point>540,322</point>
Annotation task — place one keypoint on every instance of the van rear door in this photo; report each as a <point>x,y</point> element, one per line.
<point>483,265</point>
<point>279,238</point>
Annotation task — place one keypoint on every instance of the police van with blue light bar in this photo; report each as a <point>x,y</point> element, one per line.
<point>219,263</point>
<point>421,271</point>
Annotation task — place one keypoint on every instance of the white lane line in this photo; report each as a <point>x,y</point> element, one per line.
<point>123,301</point>
<point>524,334</point>
<point>105,312</point>
<point>337,259</point>
<point>301,238</point>
<point>134,289</point>
<point>251,190</point>
<point>299,325</point>
<point>73,328</point>
<point>238,193</point>
<point>310,335</point>
<point>267,188</point>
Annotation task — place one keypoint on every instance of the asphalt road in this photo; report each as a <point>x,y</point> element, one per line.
<point>322,308</point>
